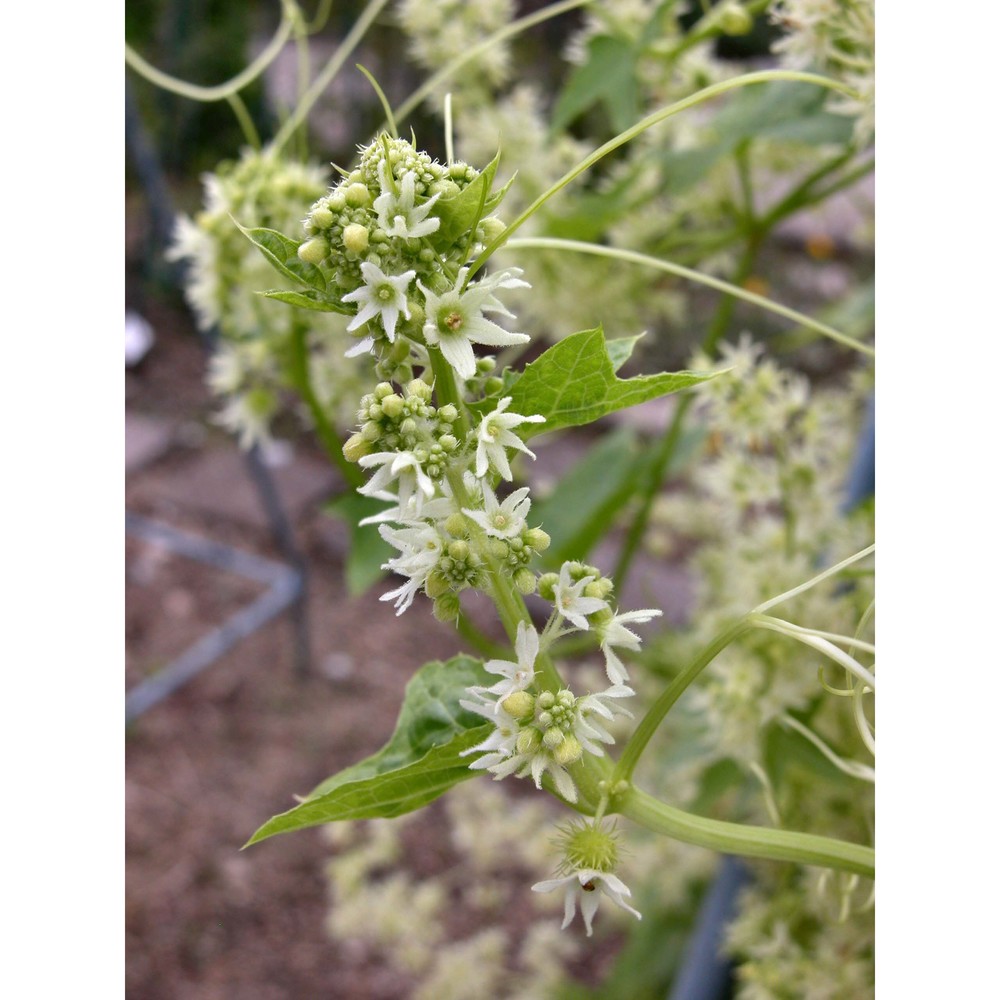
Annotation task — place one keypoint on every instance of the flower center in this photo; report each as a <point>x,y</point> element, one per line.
<point>386,293</point>
<point>499,520</point>
<point>452,323</point>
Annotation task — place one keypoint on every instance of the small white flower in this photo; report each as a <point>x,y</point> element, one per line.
<point>499,747</point>
<point>570,601</point>
<point>613,633</point>
<point>420,548</point>
<point>517,676</point>
<point>414,483</point>
<point>587,728</point>
<point>455,320</point>
<point>397,214</point>
<point>502,520</point>
<point>382,295</point>
<point>586,887</point>
<point>494,434</point>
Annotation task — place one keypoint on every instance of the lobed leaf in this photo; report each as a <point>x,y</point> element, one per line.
<point>574,383</point>
<point>462,212</point>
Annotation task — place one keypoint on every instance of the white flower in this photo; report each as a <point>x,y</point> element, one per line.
<point>397,214</point>
<point>494,434</point>
<point>420,548</point>
<point>502,520</point>
<point>586,887</point>
<point>613,633</point>
<point>382,295</point>
<point>517,676</point>
<point>570,601</point>
<point>499,747</point>
<point>414,483</point>
<point>587,728</point>
<point>455,320</point>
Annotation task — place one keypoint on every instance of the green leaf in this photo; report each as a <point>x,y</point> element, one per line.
<point>368,549</point>
<point>607,77</point>
<point>282,254</point>
<point>620,349</point>
<point>462,212</point>
<point>421,761</point>
<point>576,514</point>
<point>574,383</point>
<point>310,299</point>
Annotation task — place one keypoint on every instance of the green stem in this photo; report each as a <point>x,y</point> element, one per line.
<point>329,71</point>
<point>658,710</point>
<point>247,126</point>
<point>508,31</point>
<point>299,370</point>
<point>748,79</point>
<point>630,256</point>
<point>220,92</point>
<point>750,841</point>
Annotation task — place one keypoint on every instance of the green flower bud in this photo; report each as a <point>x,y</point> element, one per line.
<point>313,251</point>
<point>485,365</point>
<point>545,719</point>
<point>448,413</point>
<point>371,431</point>
<point>447,607</point>
<point>525,580</point>
<point>419,388</point>
<point>356,238</point>
<point>355,447</point>
<point>357,195</point>
<point>734,19</point>
<point>408,426</point>
<point>337,201</point>
<point>321,217</point>
<point>437,584</point>
<point>382,390</point>
<point>546,586</point>
<point>392,406</point>
<point>492,228</point>
<point>568,751</point>
<point>493,385</point>
<point>519,705</point>
<point>448,442</point>
<point>528,741</point>
<point>375,412</point>
<point>553,738</point>
<point>458,549</point>
<point>602,617</point>
<point>499,548</point>
<point>456,525</point>
<point>546,700</point>
<point>538,540</point>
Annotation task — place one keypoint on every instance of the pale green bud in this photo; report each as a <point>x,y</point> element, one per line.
<point>437,584</point>
<point>553,738</point>
<point>392,406</point>
<point>455,524</point>
<point>408,426</point>
<point>447,607</point>
<point>448,442</point>
<point>313,251</point>
<point>357,195</point>
<point>355,447</point>
<point>546,699</point>
<point>492,228</point>
<point>371,431</point>
<point>419,388</point>
<point>525,580</point>
<point>458,549</point>
<point>568,751</point>
<point>448,413</point>
<point>356,238</point>
<point>493,385</point>
<point>734,19</point>
<point>499,548</point>
<point>539,540</point>
<point>528,741</point>
<point>519,705</point>
<point>546,586</point>
<point>321,218</point>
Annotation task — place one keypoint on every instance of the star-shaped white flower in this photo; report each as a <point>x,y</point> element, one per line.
<point>516,676</point>
<point>414,483</point>
<point>570,601</point>
<point>397,214</point>
<point>502,520</point>
<point>455,320</point>
<point>586,887</point>
<point>494,434</point>
<point>382,295</point>
<point>613,633</point>
<point>419,550</point>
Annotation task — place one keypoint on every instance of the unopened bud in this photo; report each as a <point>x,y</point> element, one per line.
<point>447,607</point>
<point>392,406</point>
<point>525,580</point>
<point>356,238</point>
<point>528,740</point>
<point>538,540</point>
<point>519,705</point>
<point>437,584</point>
<point>448,413</point>
<point>568,751</point>
<point>458,549</point>
<point>448,442</point>
<point>553,738</point>
<point>419,388</point>
<point>492,228</point>
<point>321,217</point>
<point>355,447</point>
<point>455,525</point>
<point>357,195</point>
<point>313,251</point>
<point>734,19</point>
<point>547,586</point>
